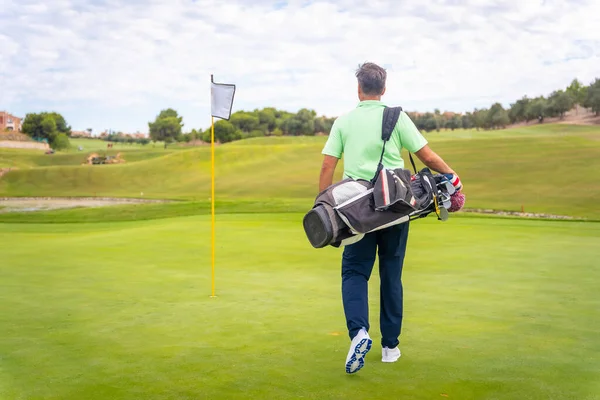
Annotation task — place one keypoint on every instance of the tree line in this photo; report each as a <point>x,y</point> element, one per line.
<point>167,127</point>
<point>168,124</point>
<point>273,122</point>
<point>120,137</point>
<point>523,110</point>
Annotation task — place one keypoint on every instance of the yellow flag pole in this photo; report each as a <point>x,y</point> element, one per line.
<point>212,200</point>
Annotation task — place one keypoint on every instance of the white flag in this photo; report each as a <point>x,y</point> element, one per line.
<point>221,100</point>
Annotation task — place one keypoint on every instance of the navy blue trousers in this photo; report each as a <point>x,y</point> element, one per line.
<point>357,263</point>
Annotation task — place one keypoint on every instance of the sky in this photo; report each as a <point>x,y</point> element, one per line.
<point>111,64</point>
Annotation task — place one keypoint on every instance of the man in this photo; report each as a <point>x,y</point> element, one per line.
<point>357,135</point>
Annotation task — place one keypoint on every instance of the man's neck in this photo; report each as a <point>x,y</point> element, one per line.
<point>365,98</point>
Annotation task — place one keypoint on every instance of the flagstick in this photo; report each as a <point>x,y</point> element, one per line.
<point>212,199</point>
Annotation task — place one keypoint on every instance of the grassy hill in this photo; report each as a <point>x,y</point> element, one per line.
<point>25,158</point>
<point>547,168</point>
<point>100,145</point>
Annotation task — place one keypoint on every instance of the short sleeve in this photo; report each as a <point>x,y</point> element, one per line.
<point>334,146</point>
<point>410,137</point>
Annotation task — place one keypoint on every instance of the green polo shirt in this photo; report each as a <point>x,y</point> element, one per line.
<point>357,135</point>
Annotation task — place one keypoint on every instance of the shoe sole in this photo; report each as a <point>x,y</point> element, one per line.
<point>361,349</point>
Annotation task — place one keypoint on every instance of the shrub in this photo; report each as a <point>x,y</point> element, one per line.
<point>60,142</point>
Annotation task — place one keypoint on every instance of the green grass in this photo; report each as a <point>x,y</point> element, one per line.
<point>543,169</point>
<point>97,144</point>
<point>137,212</point>
<point>113,303</point>
<point>122,311</point>
<point>25,159</point>
<point>533,130</point>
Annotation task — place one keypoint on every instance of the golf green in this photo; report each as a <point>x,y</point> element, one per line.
<point>494,309</point>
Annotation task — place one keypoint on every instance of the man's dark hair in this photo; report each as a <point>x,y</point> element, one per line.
<point>371,78</point>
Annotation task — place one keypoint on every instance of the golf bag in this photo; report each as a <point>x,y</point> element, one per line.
<point>344,212</point>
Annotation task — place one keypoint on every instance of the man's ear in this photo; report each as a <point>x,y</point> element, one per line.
<point>382,93</point>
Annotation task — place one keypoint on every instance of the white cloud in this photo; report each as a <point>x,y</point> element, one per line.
<point>139,56</point>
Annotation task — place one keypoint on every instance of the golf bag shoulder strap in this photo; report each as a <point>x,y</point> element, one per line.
<point>388,123</point>
<point>390,119</point>
<point>412,162</point>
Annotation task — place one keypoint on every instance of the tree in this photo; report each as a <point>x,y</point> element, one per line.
<point>267,118</point>
<point>517,112</point>
<point>424,122</point>
<point>537,109</point>
<point>61,124</point>
<point>467,121</point>
<point>302,123</point>
<point>292,126</point>
<point>479,118</point>
<point>48,125</point>
<point>190,136</point>
<point>255,133</point>
<point>454,123</point>
<point>166,127</point>
<point>244,121</point>
<point>592,98</point>
<point>438,119</point>
<point>560,103</point>
<point>577,92</point>
<point>205,135</point>
<point>225,132</point>
<point>277,132</point>
<point>323,124</point>
<point>497,117</point>
<point>61,142</point>
<point>429,122</point>
<point>45,125</point>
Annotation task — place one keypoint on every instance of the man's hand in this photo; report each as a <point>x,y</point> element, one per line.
<point>327,170</point>
<point>455,181</point>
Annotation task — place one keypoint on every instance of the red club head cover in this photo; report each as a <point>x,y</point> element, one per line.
<point>457,202</point>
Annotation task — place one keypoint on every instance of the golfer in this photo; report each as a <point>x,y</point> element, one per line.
<point>357,135</point>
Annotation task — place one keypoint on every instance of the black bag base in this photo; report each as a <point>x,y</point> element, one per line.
<point>317,227</point>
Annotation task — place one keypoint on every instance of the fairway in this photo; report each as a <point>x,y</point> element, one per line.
<point>540,169</point>
<point>507,309</point>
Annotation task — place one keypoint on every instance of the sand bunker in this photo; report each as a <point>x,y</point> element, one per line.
<point>26,204</point>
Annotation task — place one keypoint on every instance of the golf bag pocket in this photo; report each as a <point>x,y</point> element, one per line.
<point>360,215</point>
<point>392,191</point>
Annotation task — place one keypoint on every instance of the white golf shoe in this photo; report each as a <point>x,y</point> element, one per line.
<point>360,346</point>
<point>390,355</point>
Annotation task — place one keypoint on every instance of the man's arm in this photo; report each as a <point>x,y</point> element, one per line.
<point>327,170</point>
<point>412,140</point>
<point>433,161</point>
